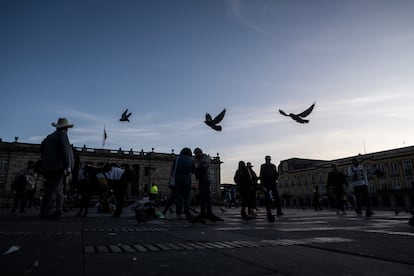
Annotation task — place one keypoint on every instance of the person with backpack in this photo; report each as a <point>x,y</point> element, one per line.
<point>359,180</point>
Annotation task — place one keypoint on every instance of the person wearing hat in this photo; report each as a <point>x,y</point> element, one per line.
<point>57,163</point>
<point>268,179</point>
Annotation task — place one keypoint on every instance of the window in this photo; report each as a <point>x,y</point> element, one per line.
<point>408,167</point>
<point>4,165</point>
<point>396,183</point>
<point>383,184</point>
<point>394,169</point>
<point>409,182</point>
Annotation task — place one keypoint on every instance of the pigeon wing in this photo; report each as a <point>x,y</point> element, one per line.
<point>282,112</point>
<point>300,120</point>
<point>208,118</point>
<point>307,111</point>
<point>219,117</point>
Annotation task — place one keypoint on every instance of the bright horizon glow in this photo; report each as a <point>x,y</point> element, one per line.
<point>170,63</point>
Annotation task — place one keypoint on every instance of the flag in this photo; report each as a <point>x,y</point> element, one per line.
<point>104,137</point>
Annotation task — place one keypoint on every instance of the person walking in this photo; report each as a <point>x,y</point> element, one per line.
<point>359,180</point>
<point>268,179</point>
<point>242,180</point>
<point>202,173</point>
<point>253,189</point>
<point>336,185</point>
<point>57,163</point>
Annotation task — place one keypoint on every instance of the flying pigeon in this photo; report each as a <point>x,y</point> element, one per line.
<point>213,122</point>
<point>125,116</point>
<point>299,117</point>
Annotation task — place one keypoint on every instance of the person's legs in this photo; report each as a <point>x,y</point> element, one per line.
<point>358,190</point>
<point>187,198</point>
<point>58,192</point>
<point>53,186</point>
<point>278,201</point>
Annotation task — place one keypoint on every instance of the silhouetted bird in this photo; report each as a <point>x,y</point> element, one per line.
<point>299,117</point>
<point>396,211</point>
<point>125,116</point>
<point>213,122</point>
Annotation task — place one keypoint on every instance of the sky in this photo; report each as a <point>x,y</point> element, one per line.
<point>170,62</point>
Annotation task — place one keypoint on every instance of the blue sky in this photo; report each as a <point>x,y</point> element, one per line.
<point>170,62</point>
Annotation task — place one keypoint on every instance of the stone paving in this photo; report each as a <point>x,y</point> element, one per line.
<point>300,242</point>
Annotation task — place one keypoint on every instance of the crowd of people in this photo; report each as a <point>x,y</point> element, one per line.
<point>58,162</point>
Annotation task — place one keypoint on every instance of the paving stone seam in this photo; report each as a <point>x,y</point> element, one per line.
<point>207,245</point>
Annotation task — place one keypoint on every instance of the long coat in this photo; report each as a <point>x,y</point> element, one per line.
<point>56,152</point>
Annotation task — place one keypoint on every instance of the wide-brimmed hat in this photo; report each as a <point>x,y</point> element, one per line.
<point>62,123</point>
<point>248,164</point>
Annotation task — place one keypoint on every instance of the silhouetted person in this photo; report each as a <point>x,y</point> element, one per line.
<point>185,167</point>
<point>253,189</point>
<point>337,184</point>
<point>359,180</point>
<point>242,180</point>
<point>317,198</point>
<point>268,179</point>
<point>202,163</point>
<point>57,163</point>
<point>23,181</point>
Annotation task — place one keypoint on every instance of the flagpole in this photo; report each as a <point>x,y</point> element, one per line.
<point>104,138</point>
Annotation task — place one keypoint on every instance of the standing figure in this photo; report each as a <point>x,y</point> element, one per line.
<point>171,185</point>
<point>22,184</point>
<point>57,163</point>
<point>184,168</point>
<point>268,179</point>
<point>337,184</point>
<point>242,180</point>
<point>253,189</point>
<point>316,198</point>
<point>202,173</point>
<point>359,181</point>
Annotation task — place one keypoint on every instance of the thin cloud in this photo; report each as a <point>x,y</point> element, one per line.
<point>237,9</point>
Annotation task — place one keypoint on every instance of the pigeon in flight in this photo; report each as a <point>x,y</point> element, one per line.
<point>299,117</point>
<point>213,122</point>
<point>125,116</point>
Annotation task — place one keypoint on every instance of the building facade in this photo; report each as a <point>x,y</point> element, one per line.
<point>147,167</point>
<point>390,177</point>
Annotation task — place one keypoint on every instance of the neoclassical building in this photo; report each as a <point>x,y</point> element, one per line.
<point>390,176</point>
<point>147,167</point>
